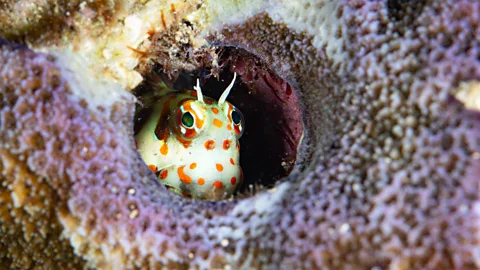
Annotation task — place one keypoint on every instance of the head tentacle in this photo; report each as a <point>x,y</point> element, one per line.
<point>224,96</point>
<point>199,91</point>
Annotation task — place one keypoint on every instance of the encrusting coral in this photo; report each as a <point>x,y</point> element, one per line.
<point>394,181</point>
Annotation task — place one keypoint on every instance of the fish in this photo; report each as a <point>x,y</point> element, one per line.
<point>191,141</point>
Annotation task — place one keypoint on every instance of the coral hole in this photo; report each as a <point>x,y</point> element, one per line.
<point>273,114</point>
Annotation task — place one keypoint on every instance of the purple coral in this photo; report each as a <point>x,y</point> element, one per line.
<point>394,181</point>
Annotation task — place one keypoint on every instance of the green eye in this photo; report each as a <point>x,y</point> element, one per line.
<point>236,117</point>
<point>187,119</point>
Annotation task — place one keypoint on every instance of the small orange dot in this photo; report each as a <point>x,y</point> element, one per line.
<point>193,166</point>
<point>164,149</point>
<point>233,181</point>
<point>231,161</point>
<point>184,142</point>
<point>217,122</point>
<point>210,144</point>
<point>153,168</point>
<point>201,181</point>
<point>183,177</point>
<point>219,167</point>
<point>229,127</point>
<point>215,110</point>
<point>218,184</point>
<point>226,144</point>
<point>163,174</point>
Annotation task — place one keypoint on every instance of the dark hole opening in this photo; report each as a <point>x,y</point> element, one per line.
<point>405,10</point>
<point>273,114</point>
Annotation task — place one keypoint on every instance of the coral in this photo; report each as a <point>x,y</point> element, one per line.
<point>396,157</point>
<point>45,21</point>
<point>29,201</point>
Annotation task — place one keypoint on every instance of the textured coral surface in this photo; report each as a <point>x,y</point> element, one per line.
<point>30,200</point>
<point>394,182</point>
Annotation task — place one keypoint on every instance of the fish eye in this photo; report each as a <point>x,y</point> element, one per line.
<point>238,121</point>
<point>236,117</point>
<point>187,119</point>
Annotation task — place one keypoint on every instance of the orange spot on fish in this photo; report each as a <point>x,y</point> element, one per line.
<point>218,184</point>
<point>201,181</point>
<point>219,167</point>
<point>183,177</point>
<point>233,181</point>
<point>237,129</point>
<point>153,168</point>
<point>185,143</point>
<point>229,127</point>
<point>190,133</point>
<point>215,110</point>
<point>163,174</point>
<point>210,144</point>
<point>164,149</point>
<point>217,123</point>
<point>193,166</point>
<point>199,122</point>
<point>226,144</point>
<point>231,161</point>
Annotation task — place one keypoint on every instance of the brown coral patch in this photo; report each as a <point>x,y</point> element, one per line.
<point>29,203</point>
<point>47,21</point>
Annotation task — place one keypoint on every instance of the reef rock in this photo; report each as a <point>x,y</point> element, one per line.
<point>394,176</point>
